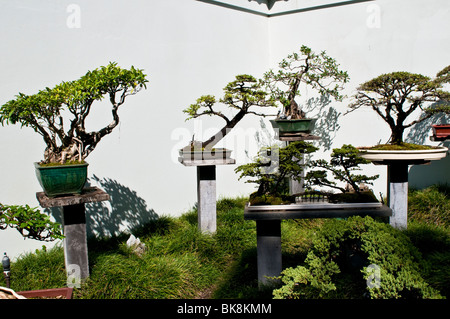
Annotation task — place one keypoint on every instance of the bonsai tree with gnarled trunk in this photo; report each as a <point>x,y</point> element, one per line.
<point>59,114</point>
<point>317,71</point>
<point>244,94</point>
<point>396,96</point>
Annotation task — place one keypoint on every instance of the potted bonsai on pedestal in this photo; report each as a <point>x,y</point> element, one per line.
<point>317,71</point>
<point>245,94</point>
<point>59,115</point>
<point>395,97</point>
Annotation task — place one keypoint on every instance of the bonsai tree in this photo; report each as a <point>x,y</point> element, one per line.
<point>271,173</point>
<point>343,164</point>
<point>59,114</point>
<point>244,94</point>
<point>396,96</point>
<point>318,71</point>
<point>30,222</point>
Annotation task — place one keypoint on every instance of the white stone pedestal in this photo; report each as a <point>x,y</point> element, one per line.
<point>206,190</point>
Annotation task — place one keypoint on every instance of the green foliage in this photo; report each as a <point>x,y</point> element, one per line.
<point>30,222</point>
<point>47,110</point>
<point>396,96</point>
<point>350,246</point>
<point>181,262</point>
<point>245,94</point>
<point>271,171</point>
<point>344,161</point>
<point>318,71</point>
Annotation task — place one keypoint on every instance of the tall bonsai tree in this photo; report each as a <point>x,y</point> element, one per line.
<point>318,71</point>
<point>245,95</point>
<point>396,96</point>
<point>59,114</point>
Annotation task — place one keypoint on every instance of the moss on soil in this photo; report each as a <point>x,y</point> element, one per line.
<point>59,164</point>
<point>399,147</point>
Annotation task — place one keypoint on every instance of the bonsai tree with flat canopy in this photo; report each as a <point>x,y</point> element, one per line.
<point>318,71</point>
<point>396,96</point>
<point>244,94</point>
<point>59,114</point>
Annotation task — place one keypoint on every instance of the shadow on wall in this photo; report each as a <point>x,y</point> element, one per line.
<point>419,133</point>
<point>437,172</point>
<point>326,126</point>
<point>124,212</point>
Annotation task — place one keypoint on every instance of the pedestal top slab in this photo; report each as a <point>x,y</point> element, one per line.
<point>206,162</point>
<point>89,195</point>
<point>315,210</point>
<point>411,156</point>
<point>292,137</point>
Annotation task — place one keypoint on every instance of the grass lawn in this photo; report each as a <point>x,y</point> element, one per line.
<point>180,262</point>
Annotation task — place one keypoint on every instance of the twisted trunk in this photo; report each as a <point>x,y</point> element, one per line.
<point>213,140</point>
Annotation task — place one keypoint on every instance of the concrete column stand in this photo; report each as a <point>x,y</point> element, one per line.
<point>75,241</point>
<point>268,233</point>
<point>206,198</point>
<point>74,229</point>
<point>206,189</point>
<point>398,194</point>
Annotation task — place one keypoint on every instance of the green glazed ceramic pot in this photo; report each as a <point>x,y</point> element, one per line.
<point>62,179</point>
<point>293,126</point>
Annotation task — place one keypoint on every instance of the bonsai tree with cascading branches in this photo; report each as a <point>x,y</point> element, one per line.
<point>244,95</point>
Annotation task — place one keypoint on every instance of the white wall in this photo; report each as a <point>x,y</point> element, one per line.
<point>188,48</point>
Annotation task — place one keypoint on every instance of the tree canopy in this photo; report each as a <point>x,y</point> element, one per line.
<point>65,133</point>
<point>396,96</point>
<point>318,71</point>
<point>245,95</point>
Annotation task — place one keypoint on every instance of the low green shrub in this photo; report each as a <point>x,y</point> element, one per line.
<point>349,250</point>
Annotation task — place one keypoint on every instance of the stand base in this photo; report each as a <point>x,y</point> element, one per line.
<point>74,228</point>
<point>268,228</point>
